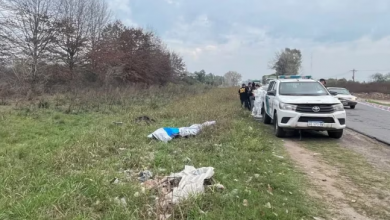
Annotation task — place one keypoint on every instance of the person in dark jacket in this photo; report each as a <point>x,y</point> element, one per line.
<point>323,82</point>
<point>251,95</point>
<point>244,95</point>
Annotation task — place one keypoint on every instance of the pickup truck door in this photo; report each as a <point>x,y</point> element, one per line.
<point>269,100</point>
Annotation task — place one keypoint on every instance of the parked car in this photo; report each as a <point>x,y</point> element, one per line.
<point>298,103</point>
<point>344,96</point>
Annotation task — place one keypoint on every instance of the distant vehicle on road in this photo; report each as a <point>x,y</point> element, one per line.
<point>300,103</point>
<point>344,96</point>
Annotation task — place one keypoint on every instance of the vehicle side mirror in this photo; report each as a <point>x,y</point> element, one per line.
<point>272,93</point>
<point>333,92</point>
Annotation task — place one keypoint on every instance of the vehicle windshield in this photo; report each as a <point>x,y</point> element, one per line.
<point>302,89</point>
<point>341,91</point>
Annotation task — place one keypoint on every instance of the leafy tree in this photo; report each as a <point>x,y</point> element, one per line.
<point>287,62</point>
<point>379,77</point>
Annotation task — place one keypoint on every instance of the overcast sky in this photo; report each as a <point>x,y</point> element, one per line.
<point>243,35</point>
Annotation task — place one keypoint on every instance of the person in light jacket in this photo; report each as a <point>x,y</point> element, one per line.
<point>259,94</point>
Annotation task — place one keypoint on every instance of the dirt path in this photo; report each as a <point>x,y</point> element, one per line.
<point>348,195</point>
<point>324,178</point>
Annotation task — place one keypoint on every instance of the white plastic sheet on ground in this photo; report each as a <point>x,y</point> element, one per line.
<point>191,183</point>
<point>167,134</point>
<point>259,95</point>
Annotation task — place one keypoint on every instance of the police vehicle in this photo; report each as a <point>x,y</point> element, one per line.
<point>301,103</point>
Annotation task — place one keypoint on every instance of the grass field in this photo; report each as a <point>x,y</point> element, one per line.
<point>57,161</point>
<point>386,103</point>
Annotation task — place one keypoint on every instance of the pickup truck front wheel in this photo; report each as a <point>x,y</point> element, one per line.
<point>337,134</point>
<point>279,132</point>
<point>266,118</point>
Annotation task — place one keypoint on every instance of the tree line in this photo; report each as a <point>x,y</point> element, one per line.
<point>379,83</point>
<point>47,43</point>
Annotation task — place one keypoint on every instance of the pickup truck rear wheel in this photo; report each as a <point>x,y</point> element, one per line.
<point>266,118</point>
<point>337,134</point>
<point>352,106</point>
<point>279,132</point>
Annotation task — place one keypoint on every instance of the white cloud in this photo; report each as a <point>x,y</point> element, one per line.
<point>244,35</point>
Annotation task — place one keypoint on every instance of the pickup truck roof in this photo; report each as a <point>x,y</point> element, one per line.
<point>295,80</point>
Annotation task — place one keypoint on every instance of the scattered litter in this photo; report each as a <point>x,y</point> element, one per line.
<point>166,134</point>
<point>281,157</point>
<point>269,190</point>
<point>150,184</point>
<point>245,202</point>
<point>318,218</point>
<point>249,179</point>
<point>114,181</point>
<point>275,214</point>
<point>164,216</point>
<point>118,122</point>
<point>353,200</point>
<point>136,194</point>
<point>235,180</point>
<point>144,119</point>
<point>121,148</point>
<point>218,186</point>
<point>187,160</point>
<point>191,182</point>
<point>145,175</point>
<point>162,170</point>
<point>286,211</point>
<point>316,154</point>
<point>290,193</point>
<point>257,175</point>
<point>177,187</point>
<point>268,205</point>
<point>121,201</point>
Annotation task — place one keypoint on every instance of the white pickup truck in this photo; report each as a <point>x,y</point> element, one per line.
<point>296,103</point>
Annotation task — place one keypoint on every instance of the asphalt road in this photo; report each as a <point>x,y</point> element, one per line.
<point>370,121</point>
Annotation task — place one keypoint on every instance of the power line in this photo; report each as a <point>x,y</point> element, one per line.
<point>372,70</point>
<point>340,74</point>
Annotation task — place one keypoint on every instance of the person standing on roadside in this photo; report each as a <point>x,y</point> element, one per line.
<point>252,88</point>
<point>244,95</point>
<point>256,110</point>
<point>323,82</point>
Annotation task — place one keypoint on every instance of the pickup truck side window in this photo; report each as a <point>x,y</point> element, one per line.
<point>271,86</point>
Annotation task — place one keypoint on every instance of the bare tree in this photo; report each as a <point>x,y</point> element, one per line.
<point>232,78</point>
<point>72,27</point>
<point>27,29</point>
<point>99,16</point>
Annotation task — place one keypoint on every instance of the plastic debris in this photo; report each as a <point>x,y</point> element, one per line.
<point>268,205</point>
<point>166,134</point>
<point>114,181</point>
<point>120,201</point>
<point>281,157</point>
<point>218,186</point>
<point>186,160</point>
<point>245,202</point>
<point>145,175</point>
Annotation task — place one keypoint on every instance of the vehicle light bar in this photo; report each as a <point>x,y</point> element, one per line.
<point>293,77</point>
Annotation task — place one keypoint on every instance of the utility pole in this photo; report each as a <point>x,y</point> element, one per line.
<point>353,75</point>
